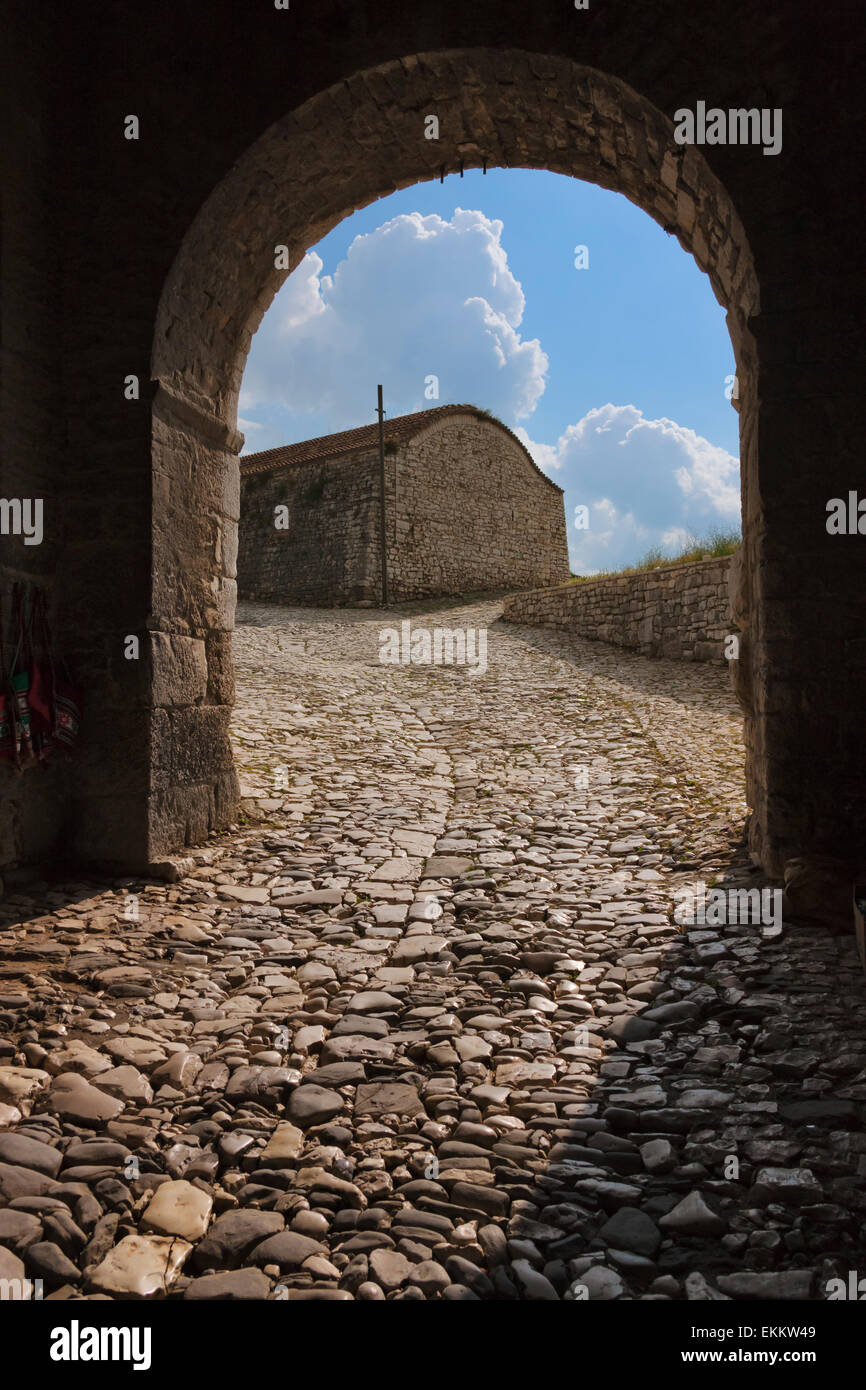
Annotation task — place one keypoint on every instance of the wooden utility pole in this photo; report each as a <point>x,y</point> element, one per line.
<point>382,538</point>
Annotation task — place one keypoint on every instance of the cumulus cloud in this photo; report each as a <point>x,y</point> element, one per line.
<point>545,455</point>
<point>300,298</point>
<point>422,296</point>
<point>645,483</point>
<point>418,297</point>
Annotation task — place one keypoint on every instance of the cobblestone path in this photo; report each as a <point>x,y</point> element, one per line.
<point>424,1025</point>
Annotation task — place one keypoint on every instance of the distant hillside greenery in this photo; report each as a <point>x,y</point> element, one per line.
<point>710,547</point>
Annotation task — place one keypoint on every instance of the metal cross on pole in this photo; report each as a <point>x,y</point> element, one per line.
<point>381,413</point>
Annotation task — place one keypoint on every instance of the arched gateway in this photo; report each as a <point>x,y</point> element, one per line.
<point>344,148</point>
<point>170,254</point>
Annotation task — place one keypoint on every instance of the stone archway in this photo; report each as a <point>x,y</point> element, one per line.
<point>338,152</point>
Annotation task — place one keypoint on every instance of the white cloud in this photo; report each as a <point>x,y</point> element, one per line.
<point>645,482</point>
<point>419,296</point>
<point>545,455</point>
<point>424,296</point>
<point>300,296</point>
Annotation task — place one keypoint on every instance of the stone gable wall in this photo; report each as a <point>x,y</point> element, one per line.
<point>466,510</point>
<point>680,611</point>
<point>470,512</point>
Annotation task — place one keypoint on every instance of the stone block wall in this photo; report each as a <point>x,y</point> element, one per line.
<point>678,611</point>
<point>196,498</point>
<point>466,509</point>
<point>329,553</point>
<point>33,803</point>
<point>470,511</point>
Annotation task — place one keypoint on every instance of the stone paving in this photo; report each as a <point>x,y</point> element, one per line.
<point>424,1024</point>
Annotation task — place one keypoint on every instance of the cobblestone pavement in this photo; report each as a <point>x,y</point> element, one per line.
<point>423,1025</point>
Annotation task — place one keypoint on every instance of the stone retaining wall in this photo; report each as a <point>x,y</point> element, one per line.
<point>679,611</point>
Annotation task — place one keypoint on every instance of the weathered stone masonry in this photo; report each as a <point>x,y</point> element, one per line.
<point>156,257</point>
<point>677,611</point>
<point>326,554</point>
<point>467,509</point>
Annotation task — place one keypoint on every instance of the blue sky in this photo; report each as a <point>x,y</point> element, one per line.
<point>614,375</point>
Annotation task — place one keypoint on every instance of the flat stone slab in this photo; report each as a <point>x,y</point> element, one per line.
<point>318,1179</point>
<point>243,894</point>
<point>10,1265</point>
<point>356,1045</point>
<point>233,1235</point>
<point>16,1149</point>
<point>373,1001</point>
<point>17,1181</point>
<point>77,1056</point>
<point>125,1083</point>
<point>395,974</point>
<point>180,1069</point>
<point>367,1024</point>
<point>631,1028</point>
<point>345,961</point>
<point>287,1249</point>
<point>139,1052</point>
<point>314,972</point>
<point>314,1105</point>
<point>140,1266</point>
<point>125,981</point>
<point>178,1209</point>
<point>692,1217</point>
<point>19,1084</point>
<point>336,1074</point>
<point>387,892</point>
<point>518,1073</point>
<point>232,1286</point>
<point>284,1146</point>
<point>631,1229</point>
<point>415,842</point>
<point>246,1083</point>
<point>74,1098</point>
<point>387,1098</point>
<point>784,1284</point>
<point>18,1228</point>
<point>446,866</point>
<point>417,948</point>
<point>390,914</point>
<point>788,1186</point>
<point>316,897</point>
<point>396,871</point>
<point>702,1099</point>
<point>390,1269</point>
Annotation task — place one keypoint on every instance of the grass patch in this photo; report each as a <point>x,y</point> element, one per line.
<point>714,546</point>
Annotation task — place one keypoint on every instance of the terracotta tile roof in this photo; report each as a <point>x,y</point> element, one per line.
<point>400,428</point>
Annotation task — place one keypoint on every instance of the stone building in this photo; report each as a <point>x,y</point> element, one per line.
<point>466,509</point>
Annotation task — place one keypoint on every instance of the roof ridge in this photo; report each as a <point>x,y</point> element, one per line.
<point>365,436</point>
